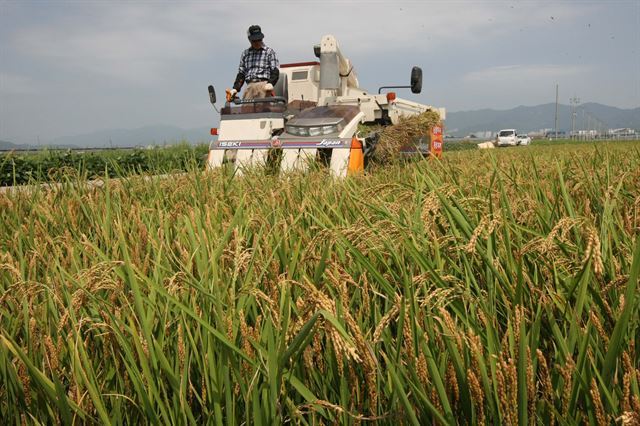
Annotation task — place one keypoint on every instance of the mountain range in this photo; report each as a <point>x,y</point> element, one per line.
<point>522,118</point>
<point>535,118</point>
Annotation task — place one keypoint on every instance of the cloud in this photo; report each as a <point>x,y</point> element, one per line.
<point>125,64</point>
<point>521,73</point>
<point>14,84</point>
<point>506,86</point>
<point>136,43</point>
<point>142,43</point>
<point>376,28</point>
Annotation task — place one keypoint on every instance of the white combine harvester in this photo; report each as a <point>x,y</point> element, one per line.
<point>313,114</point>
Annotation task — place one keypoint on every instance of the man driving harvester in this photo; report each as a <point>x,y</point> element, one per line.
<point>258,68</point>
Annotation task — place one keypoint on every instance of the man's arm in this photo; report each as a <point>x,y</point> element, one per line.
<point>273,78</point>
<point>239,81</point>
<point>273,65</point>
<point>242,69</point>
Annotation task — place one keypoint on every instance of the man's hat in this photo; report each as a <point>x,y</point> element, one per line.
<point>255,33</point>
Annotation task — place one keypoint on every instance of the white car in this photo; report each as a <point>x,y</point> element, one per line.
<point>524,140</point>
<point>507,137</point>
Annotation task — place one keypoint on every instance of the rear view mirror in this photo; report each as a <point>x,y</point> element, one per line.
<point>416,80</point>
<point>212,95</point>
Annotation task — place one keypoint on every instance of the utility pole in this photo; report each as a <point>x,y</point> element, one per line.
<point>574,102</point>
<point>556,112</point>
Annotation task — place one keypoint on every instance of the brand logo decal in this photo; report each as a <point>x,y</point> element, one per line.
<point>330,142</point>
<point>225,144</point>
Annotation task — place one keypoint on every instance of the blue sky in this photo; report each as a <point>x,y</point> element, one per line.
<point>74,67</point>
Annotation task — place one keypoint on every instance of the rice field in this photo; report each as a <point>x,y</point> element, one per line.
<point>490,287</point>
<point>55,165</point>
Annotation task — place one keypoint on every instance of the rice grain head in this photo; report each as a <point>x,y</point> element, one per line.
<point>478,396</point>
<point>597,402</point>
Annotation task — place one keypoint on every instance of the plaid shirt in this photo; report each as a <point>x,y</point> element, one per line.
<point>257,64</point>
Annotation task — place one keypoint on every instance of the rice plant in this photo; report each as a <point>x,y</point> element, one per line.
<point>492,287</point>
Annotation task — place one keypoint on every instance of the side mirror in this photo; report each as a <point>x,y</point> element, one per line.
<point>212,95</point>
<point>416,80</point>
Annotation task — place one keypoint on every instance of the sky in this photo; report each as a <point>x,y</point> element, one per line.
<point>74,67</point>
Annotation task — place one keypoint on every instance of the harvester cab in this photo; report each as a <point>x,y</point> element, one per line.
<point>314,114</point>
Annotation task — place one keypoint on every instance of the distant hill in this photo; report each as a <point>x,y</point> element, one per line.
<point>9,146</point>
<point>142,136</point>
<point>534,118</point>
<point>6,145</point>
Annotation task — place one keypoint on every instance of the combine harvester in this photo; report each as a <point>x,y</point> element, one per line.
<point>313,114</point>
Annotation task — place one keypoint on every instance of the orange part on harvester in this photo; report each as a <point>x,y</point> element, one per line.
<point>356,157</point>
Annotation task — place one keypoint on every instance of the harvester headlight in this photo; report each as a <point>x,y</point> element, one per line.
<point>329,129</point>
<point>334,128</point>
<point>315,131</point>
<point>297,130</point>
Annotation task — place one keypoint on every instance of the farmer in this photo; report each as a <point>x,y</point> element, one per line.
<point>258,67</point>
